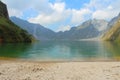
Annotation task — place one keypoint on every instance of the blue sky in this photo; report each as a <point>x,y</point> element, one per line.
<point>61,15</point>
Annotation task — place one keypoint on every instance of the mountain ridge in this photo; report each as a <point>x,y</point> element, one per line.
<point>39,31</point>
<point>10,32</point>
<point>75,33</point>
<point>113,33</point>
<point>86,30</point>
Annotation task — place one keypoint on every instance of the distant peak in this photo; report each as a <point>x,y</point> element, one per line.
<point>94,19</point>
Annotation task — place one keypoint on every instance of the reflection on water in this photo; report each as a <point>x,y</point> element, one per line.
<point>114,50</point>
<point>63,50</point>
<point>13,50</point>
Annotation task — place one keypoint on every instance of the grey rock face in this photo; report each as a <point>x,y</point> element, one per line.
<point>3,10</point>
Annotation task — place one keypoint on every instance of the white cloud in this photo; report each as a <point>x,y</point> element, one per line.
<point>58,7</point>
<point>63,28</point>
<point>99,14</point>
<point>106,13</point>
<point>16,7</point>
<point>110,7</point>
<point>59,14</point>
<point>45,19</point>
<point>14,12</point>
<point>78,16</point>
<point>98,4</point>
<point>42,6</point>
<point>105,9</point>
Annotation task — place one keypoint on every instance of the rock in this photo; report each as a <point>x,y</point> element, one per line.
<point>3,10</point>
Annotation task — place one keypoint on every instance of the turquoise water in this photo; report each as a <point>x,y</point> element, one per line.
<point>62,51</point>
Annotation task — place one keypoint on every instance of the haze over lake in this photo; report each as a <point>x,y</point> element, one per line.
<point>62,51</point>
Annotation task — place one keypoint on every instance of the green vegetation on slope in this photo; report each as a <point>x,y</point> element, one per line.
<point>9,32</point>
<point>114,33</point>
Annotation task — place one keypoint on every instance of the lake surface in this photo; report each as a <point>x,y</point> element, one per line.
<point>62,51</point>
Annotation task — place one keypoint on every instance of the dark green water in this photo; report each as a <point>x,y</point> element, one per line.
<point>62,51</point>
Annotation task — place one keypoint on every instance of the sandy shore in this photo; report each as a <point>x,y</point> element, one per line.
<point>25,70</point>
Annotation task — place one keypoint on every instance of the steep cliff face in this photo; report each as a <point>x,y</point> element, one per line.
<point>9,32</point>
<point>113,34</point>
<point>3,10</point>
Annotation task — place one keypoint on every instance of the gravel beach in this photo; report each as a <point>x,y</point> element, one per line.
<point>28,70</point>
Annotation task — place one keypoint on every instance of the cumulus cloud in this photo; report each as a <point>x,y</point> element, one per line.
<point>57,13</point>
<point>79,15</point>
<point>58,7</point>
<point>95,9</point>
<point>61,14</point>
<point>105,9</point>
<point>42,6</point>
<point>99,14</point>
